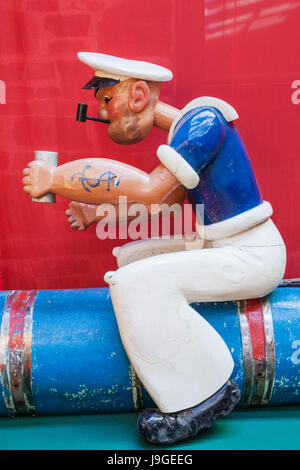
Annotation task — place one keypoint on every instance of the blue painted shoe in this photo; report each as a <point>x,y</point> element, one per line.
<point>166,428</point>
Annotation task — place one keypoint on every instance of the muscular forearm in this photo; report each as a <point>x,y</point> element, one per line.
<point>176,196</point>
<point>100,181</point>
<point>81,215</point>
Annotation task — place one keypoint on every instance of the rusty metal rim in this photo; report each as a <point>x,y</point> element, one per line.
<point>270,352</point>
<point>259,374</point>
<point>290,282</point>
<point>137,392</point>
<point>16,362</point>
<point>248,384</point>
<point>4,358</point>
<point>25,371</point>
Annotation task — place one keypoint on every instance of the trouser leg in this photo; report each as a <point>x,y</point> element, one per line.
<point>140,249</point>
<point>178,356</point>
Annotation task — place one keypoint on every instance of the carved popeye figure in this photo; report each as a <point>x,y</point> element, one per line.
<point>181,360</point>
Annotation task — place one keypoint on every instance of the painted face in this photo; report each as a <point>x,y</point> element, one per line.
<point>114,107</point>
<point>117,104</point>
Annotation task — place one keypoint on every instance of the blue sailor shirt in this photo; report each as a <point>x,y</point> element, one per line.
<point>214,149</point>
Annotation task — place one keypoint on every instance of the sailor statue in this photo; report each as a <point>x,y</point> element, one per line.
<point>181,360</point>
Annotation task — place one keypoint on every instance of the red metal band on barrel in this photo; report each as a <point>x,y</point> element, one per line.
<point>17,320</point>
<point>5,376</point>
<point>19,357</point>
<point>255,317</point>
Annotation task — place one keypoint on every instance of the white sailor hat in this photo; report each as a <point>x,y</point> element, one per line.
<point>110,70</point>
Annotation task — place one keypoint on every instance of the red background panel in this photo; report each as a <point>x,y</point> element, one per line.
<point>243,51</point>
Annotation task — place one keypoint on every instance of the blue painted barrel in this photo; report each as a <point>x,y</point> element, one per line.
<point>61,353</point>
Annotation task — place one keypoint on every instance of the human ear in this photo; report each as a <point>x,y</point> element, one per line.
<point>139,96</point>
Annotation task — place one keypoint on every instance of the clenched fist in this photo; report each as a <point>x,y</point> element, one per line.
<point>38,178</point>
<point>81,216</point>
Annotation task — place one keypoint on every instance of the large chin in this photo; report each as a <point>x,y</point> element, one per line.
<point>125,140</point>
<point>126,135</point>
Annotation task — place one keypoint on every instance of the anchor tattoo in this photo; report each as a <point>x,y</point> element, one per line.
<point>108,177</point>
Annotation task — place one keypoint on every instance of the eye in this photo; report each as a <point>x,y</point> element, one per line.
<point>107,99</point>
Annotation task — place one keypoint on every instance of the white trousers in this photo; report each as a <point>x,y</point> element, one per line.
<point>178,356</point>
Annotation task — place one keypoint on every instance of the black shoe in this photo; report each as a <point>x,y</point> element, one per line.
<point>166,428</point>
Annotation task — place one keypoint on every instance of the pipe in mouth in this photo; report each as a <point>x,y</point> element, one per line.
<point>82,115</point>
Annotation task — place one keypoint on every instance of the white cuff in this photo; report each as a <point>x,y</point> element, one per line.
<point>178,166</point>
<point>239,223</point>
